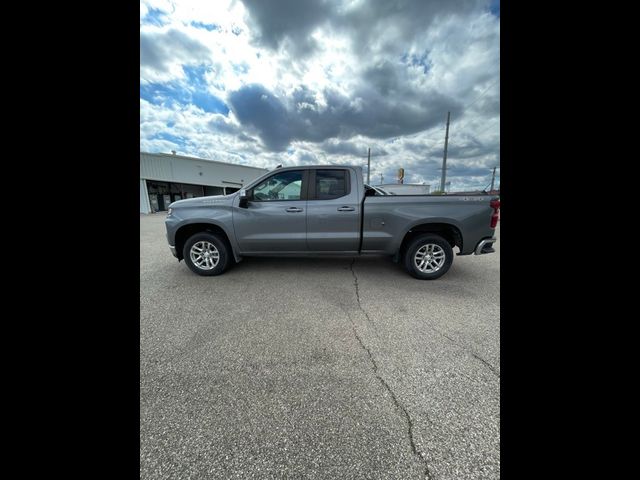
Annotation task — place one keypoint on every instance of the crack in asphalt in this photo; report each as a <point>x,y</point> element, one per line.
<point>489,366</point>
<point>414,449</point>
<point>355,282</point>
<point>471,352</point>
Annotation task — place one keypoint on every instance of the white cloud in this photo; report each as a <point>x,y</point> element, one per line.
<point>385,63</point>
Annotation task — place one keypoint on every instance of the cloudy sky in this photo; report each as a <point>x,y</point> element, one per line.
<point>268,82</point>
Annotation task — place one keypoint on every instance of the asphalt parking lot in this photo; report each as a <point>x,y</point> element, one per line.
<point>317,368</point>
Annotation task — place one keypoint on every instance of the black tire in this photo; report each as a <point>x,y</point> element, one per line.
<point>422,241</point>
<point>223,251</point>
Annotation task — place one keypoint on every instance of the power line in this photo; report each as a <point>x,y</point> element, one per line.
<point>485,129</point>
<point>476,99</point>
<point>485,91</point>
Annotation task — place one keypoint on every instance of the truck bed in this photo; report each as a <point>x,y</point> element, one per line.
<point>385,216</point>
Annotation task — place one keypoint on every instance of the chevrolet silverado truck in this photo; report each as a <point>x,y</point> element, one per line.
<point>328,210</point>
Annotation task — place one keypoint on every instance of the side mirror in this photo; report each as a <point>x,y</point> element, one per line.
<point>244,199</point>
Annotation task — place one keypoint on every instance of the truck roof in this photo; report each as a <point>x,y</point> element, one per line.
<point>298,167</point>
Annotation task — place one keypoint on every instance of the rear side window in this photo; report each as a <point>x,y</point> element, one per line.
<point>331,184</point>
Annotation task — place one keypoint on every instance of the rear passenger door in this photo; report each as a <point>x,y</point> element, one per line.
<point>333,211</point>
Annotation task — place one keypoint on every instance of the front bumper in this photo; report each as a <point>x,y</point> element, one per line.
<point>485,246</point>
<point>173,251</point>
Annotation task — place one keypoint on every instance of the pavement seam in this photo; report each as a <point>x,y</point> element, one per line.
<point>414,449</point>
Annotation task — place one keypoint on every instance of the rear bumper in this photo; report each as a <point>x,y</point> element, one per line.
<point>173,251</point>
<point>485,246</point>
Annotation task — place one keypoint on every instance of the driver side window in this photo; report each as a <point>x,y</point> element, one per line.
<point>278,187</point>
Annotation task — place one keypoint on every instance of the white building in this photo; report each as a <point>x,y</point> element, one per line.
<point>165,178</point>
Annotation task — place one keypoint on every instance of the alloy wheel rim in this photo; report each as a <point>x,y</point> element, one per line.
<point>429,258</point>
<point>204,255</point>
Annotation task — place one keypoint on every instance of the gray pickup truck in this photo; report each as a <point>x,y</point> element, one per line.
<point>328,210</point>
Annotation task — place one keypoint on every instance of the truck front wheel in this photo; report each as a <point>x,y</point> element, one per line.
<point>428,257</point>
<point>206,254</point>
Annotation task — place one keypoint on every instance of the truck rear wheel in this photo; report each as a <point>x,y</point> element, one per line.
<point>206,254</point>
<point>428,257</point>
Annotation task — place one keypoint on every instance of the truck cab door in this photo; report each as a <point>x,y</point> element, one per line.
<point>274,219</point>
<point>333,211</point>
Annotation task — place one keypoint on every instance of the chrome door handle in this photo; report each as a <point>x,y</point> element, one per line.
<point>346,209</point>
<point>293,210</point>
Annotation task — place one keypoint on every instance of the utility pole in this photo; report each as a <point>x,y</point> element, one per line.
<point>493,178</point>
<point>368,167</point>
<point>444,158</point>
<point>381,179</point>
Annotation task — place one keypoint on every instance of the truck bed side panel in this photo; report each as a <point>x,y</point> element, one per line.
<point>387,219</point>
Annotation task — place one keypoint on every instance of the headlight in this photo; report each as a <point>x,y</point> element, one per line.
<point>169,211</point>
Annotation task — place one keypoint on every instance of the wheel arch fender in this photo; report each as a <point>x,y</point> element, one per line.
<point>196,225</point>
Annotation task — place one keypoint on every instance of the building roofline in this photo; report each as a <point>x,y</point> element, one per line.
<point>171,155</point>
<point>407,184</point>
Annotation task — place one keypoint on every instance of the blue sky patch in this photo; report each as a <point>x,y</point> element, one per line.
<point>418,61</point>
<point>200,97</point>
<point>195,92</point>
<point>209,103</point>
<point>196,75</point>
<point>156,17</point>
<point>494,7</point>
<point>207,26</point>
<point>170,138</point>
<point>164,93</point>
